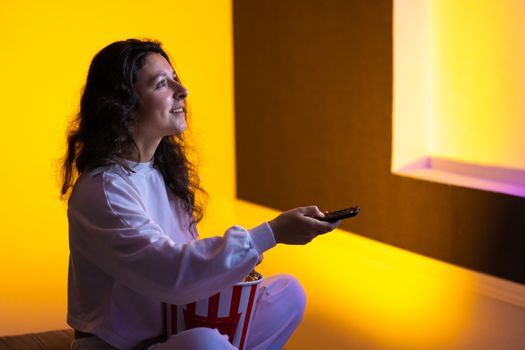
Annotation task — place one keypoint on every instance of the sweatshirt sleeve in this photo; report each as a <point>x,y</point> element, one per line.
<point>110,228</point>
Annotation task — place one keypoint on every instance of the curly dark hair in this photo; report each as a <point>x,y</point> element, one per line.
<point>100,134</point>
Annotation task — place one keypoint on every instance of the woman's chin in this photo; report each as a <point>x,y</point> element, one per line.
<point>179,129</point>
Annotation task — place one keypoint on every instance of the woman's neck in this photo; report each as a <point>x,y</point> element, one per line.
<point>144,152</point>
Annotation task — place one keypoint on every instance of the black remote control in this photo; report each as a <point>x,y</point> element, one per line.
<point>340,214</point>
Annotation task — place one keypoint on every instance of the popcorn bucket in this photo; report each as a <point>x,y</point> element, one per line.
<point>229,311</point>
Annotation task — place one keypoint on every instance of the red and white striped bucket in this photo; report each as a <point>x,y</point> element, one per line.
<point>229,311</point>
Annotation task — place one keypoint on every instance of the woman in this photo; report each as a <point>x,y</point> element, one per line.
<point>132,214</point>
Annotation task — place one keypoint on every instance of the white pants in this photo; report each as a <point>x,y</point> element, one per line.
<point>278,312</point>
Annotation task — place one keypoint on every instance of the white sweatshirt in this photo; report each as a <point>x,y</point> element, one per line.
<point>131,250</point>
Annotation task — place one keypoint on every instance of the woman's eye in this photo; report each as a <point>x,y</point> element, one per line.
<point>161,84</point>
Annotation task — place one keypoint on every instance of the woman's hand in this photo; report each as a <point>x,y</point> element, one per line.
<point>299,226</point>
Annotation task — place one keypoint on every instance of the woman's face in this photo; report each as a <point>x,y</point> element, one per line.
<point>161,107</point>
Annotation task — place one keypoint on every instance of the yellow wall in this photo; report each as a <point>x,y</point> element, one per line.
<point>46,50</point>
<point>479,81</point>
<point>412,83</point>
<point>459,80</point>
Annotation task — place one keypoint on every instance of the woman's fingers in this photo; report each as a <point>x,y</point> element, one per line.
<point>299,225</point>
<point>312,211</point>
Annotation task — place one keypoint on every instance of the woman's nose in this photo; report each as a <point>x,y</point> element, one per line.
<point>179,91</point>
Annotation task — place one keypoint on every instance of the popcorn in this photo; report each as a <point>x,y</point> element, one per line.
<point>253,276</point>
